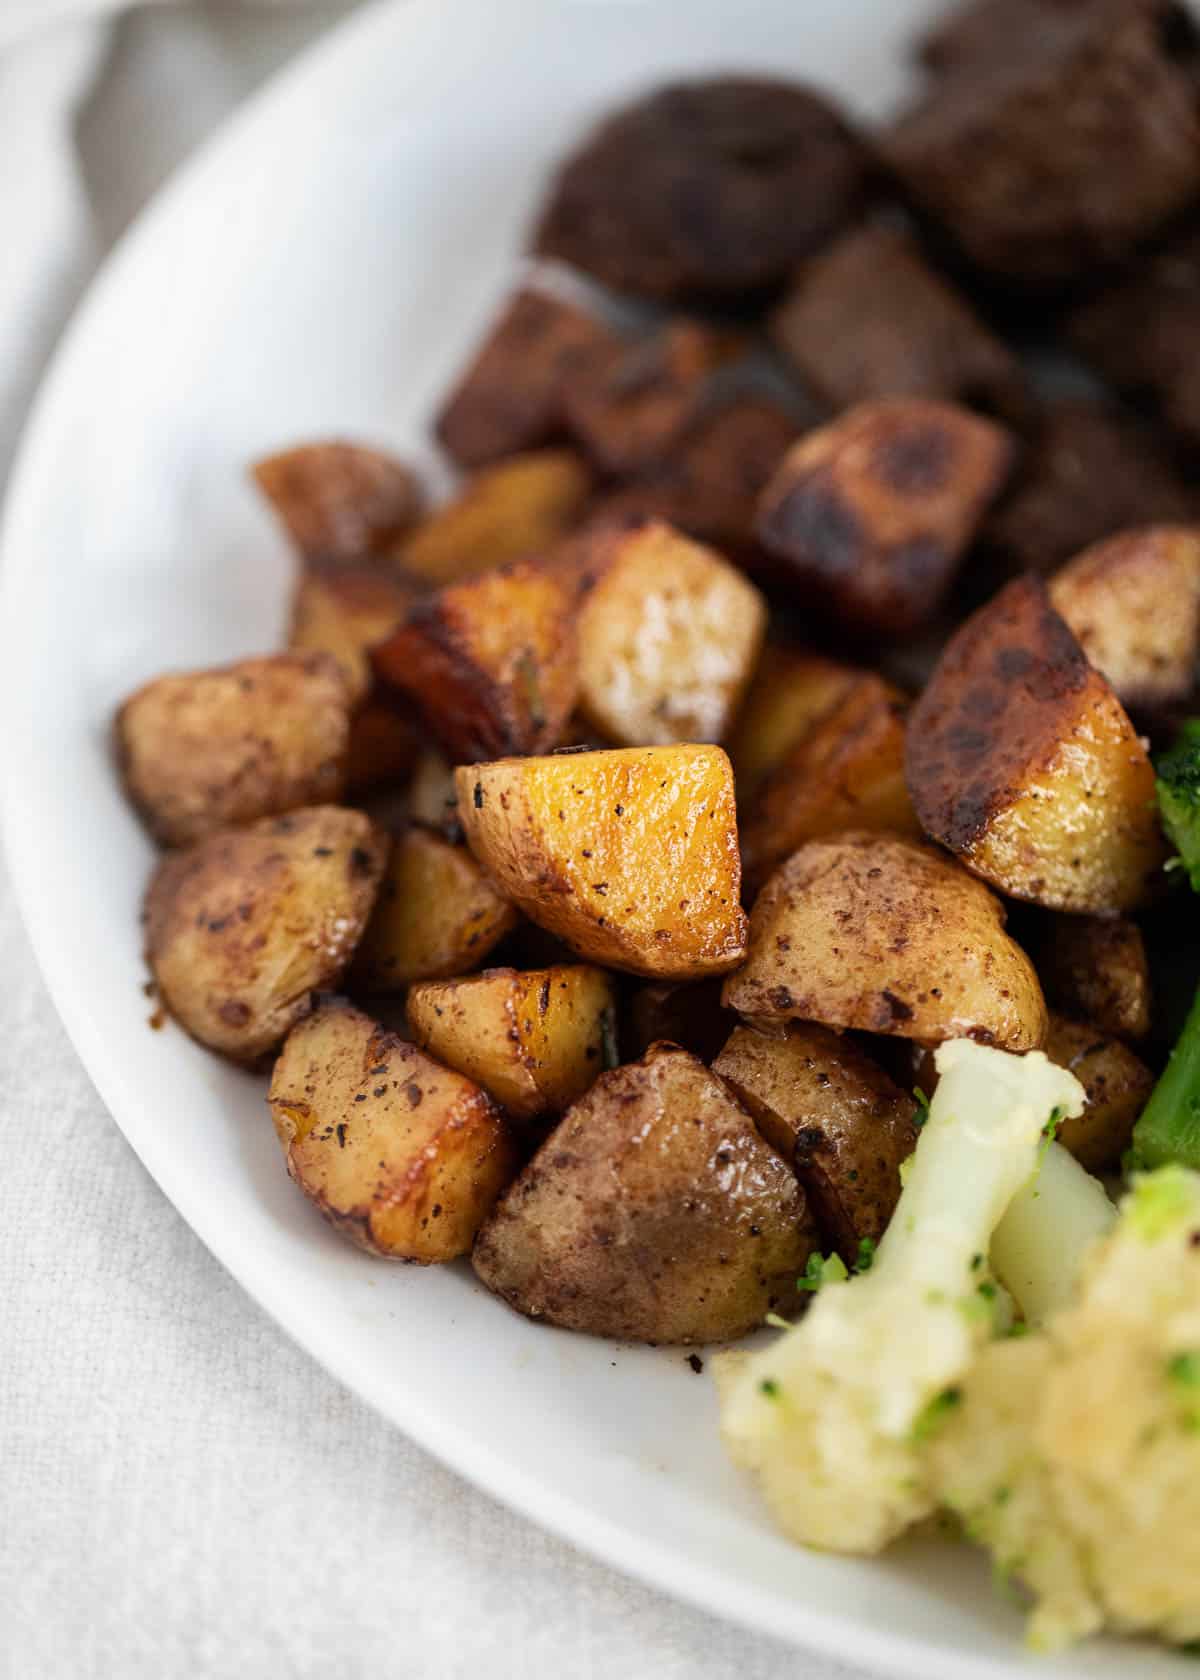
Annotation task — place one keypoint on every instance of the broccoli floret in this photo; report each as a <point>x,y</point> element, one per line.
<point>836,1417</point>
<point>1169,1126</point>
<point>1178,773</point>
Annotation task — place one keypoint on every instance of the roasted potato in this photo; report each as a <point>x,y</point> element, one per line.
<point>340,501</point>
<point>792,688</point>
<point>654,1212</point>
<point>1022,762</point>
<point>202,750</point>
<point>384,745</point>
<point>438,915</point>
<point>688,1013</point>
<point>871,514</point>
<point>1133,603</point>
<point>847,772</point>
<point>512,396</point>
<point>668,638</point>
<point>1094,968</point>
<point>432,801</point>
<point>881,934</point>
<point>826,1107</point>
<point>491,663</point>
<point>535,1040</point>
<point>1117,1083</point>
<point>505,512</point>
<point>344,611</point>
<point>402,1155</point>
<point>243,926</point>
<point>629,856</point>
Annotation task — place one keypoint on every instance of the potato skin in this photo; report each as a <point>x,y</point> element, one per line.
<point>340,501</point>
<point>1095,969</point>
<point>243,926</point>
<point>437,915</point>
<point>629,856</point>
<point>345,610</point>
<point>835,1115</point>
<point>653,1212</point>
<point>791,690</point>
<point>202,750</point>
<point>491,663</point>
<point>1133,603</point>
<point>870,515</point>
<point>668,638</point>
<point>534,1040</point>
<point>1021,761</point>
<point>508,511</point>
<point>401,1155</point>
<point>886,936</point>
<point>847,772</point>
<point>1118,1085</point>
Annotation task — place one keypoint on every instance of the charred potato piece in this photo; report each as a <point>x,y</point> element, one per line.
<point>344,610</point>
<point>384,744</point>
<point>243,926</point>
<point>505,512</point>
<point>1094,968</point>
<point>512,395</point>
<point>628,406</point>
<point>872,514</point>
<point>340,501</point>
<point>879,934</point>
<point>535,1041</point>
<point>1133,603</point>
<point>432,801</point>
<point>1023,763</point>
<point>688,1014</point>
<point>706,188</point>
<point>490,663</point>
<point>629,856</point>
<point>202,750</point>
<point>847,772</point>
<point>438,915</point>
<point>668,638</point>
<point>791,690</point>
<point>653,1212</point>
<point>835,1115</point>
<point>868,317</point>
<point>400,1154</point>
<point>1118,1086</point>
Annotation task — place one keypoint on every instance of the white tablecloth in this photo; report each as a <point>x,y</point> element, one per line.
<point>183,1494</point>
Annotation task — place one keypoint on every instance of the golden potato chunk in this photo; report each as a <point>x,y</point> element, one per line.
<point>340,501</point>
<point>791,689</point>
<point>243,926</point>
<point>1021,761</point>
<point>877,933</point>
<point>507,512</point>
<point>400,1154</point>
<point>1133,603</point>
<point>1095,969</point>
<point>629,856</point>
<point>688,1013</point>
<point>835,1115</point>
<point>535,1040</point>
<point>847,772</point>
<point>202,750</point>
<point>491,663</point>
<point>668,638</point>
<point>654,1212</point>
<point>871,514</point>
<point>345,611</point>
<point>1118,1086</point>
<point>438,915</point>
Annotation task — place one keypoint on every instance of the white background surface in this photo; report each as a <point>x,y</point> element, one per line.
<point>182,1492</point>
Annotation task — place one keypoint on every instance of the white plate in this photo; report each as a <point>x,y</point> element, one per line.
<point>321,268</point>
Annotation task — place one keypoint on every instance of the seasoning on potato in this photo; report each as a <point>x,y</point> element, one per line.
<point>400,1154</point>
<point>629,856</point>
<point>654,1212</point>
<point>243,926</point>
<point>201,750</point>
<point>1022,761</point>
<point>883,935</point>
<point>1118,1086</point>
<point>340,501</point>
<point>871,515</point>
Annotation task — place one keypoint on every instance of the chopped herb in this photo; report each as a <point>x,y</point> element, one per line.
<point>769,1387</point>
<point>821,1270</point>
<point>866,1254</point>
<point>976,1262</point>
<point>1183,1369</point>
<point>922,1102</point>
<point>931,1418</point>
<point>1049,1133</point>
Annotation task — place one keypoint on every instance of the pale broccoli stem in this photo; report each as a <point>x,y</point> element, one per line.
<point>1053,1220</point>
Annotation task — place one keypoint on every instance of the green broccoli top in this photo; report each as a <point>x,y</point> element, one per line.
<point>1179,797</point>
